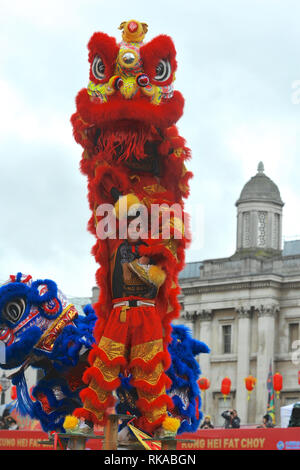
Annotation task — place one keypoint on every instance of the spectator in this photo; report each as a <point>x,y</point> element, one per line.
<point>10,423</point>
<point>206,424</point>
<point>231,419</point>
<point>266,422</point>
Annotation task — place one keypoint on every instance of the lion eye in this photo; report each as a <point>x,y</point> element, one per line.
<point>14,309</point>
<point>163,70</point>
<point>98,68</point>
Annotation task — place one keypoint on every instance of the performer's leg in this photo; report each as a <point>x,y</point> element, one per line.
<point>102,377</point>
<point>148,362</point>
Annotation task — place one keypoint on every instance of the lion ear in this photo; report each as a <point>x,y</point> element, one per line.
<point>122,25</point>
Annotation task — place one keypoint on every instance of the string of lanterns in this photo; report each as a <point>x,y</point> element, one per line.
<point>249,381</point>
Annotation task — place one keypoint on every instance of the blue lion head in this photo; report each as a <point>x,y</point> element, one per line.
<point>40,328</point>
<point>27,309</point>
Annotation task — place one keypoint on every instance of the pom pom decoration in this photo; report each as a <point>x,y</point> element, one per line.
<point>171,424</point>
<point>70,422</point>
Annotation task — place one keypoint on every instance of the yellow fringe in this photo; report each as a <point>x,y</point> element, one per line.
<point>171,424</point>
<point>156,275</point>
<point>70,422</point>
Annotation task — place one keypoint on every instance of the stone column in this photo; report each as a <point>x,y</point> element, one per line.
<point>243,361</point>
<point>265,354</point>
<point>203,333</point>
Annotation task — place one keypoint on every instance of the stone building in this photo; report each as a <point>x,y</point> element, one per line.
<point>247,307</point>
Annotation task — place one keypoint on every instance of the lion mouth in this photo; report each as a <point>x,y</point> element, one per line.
<point>139,109</point>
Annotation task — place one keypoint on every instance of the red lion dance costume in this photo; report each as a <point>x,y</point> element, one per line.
<point>125,122</point>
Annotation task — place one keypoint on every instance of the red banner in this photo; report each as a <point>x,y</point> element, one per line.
<point>212,439</point>
<point>35,440</point>
<point>243,439</point>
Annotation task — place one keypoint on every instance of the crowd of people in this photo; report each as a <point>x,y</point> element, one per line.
<point>232,421</point>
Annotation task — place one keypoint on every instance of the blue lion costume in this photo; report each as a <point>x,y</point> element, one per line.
<point>41,329</point>
<point>184,373</point>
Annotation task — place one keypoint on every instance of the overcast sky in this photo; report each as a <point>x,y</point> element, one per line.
<point>238,61</point>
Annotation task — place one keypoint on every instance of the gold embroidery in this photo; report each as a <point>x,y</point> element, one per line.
<point>178,152</point>
<point>109,373</point>
<point>154,188</point>
<point>47,340</point>
<point>112,348</point>
<point>148,396</point>
<point>101,393</point>
<point>151,378</point>
<point>147,351</point>
<point>171,245</point>
<point>140,270</point>
<point>155,414</point>
<point>89,407</point>
<point>177,223</point>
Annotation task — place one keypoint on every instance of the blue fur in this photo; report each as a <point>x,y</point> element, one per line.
<point>61,360</point>
<point>49,421</point>
<point>16,353</point>
<point>184,373</point>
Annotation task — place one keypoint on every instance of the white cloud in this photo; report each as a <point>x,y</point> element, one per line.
<point>22,121</point>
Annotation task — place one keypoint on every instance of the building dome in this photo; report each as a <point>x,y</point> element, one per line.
<point>260,188</point>
<point>259,217</point>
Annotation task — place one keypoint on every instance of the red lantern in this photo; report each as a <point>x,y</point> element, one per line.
<point>250,382</point>
<point>225,387</point>
<point>13,392</point>
<point>203,383</point>
<point>277,383</point>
